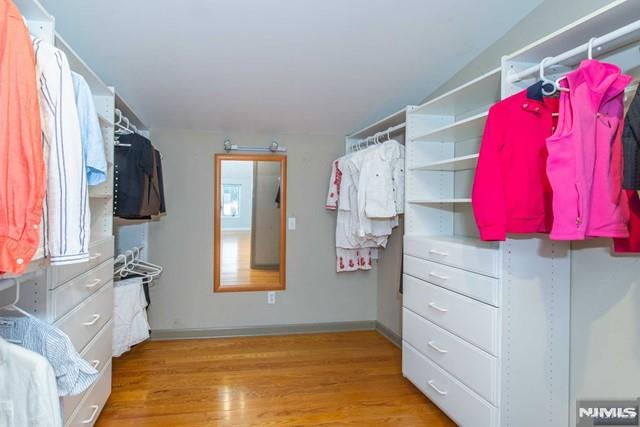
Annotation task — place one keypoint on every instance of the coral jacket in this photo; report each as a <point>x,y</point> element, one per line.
<point>511,192</point>
<point>22,186</point>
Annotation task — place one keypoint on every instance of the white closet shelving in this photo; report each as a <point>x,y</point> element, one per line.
<point>78,298</point>
<point>487,325</point>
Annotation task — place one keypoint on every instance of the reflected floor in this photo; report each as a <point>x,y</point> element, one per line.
<point>235,261</point>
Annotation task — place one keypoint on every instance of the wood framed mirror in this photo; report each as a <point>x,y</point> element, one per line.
<point>249,222</point>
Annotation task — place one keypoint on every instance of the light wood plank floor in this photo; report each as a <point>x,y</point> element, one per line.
<point>235,262</point>
<point>341,379</point>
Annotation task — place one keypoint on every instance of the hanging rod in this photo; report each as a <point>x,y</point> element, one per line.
<point>274,147</point>
<point>386,132</point>
<point>598,41</point>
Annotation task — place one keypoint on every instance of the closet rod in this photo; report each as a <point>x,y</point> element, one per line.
<point>392,129</point>
<point>599,41</point>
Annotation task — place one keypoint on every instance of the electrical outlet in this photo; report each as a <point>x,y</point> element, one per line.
<point>271,297</point>
<point>292,223</point>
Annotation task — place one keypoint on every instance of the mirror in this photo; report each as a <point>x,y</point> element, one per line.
<point>250,212</point>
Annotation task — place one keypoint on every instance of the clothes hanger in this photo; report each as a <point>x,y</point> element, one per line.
<point>546,81</point>
<point>589,56</point>
<point>14,305</point>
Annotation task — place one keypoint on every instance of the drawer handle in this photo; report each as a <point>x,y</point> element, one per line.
<point>96,256</point>
<point>95,364</point>
<point>89,420</point>
<point>439,253</point>
<point>93,321</point>
<point>438,276</point>
<point>433,386</point>
<point>93,284</point>
<point>437,307</point>
<point>436,348</point>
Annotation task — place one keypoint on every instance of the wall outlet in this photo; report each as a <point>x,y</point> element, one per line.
<point>271,297</point>
<point>292,223</point>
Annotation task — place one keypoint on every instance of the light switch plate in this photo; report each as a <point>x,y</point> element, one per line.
<point>271,297</point>
<point>292,223</point>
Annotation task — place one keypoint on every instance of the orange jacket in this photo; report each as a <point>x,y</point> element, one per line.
<point>22,183</point>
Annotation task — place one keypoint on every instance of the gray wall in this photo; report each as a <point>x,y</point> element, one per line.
<point>265,233</point>
<point>183,241</point>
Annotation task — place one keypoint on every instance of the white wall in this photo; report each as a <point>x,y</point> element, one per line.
<point>239,173</point>
<point>183,241</point>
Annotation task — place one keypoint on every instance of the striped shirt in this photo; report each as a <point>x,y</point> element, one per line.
<point>67,224</point>
<point>73,374</point>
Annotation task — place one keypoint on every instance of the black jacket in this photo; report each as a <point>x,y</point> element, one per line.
<point>631,144</point>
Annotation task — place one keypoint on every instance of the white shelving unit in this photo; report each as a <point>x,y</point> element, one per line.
<point>502,333</point>
<point>78,298</point>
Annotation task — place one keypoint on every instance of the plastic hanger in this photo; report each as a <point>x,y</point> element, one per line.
<point>590,47</point>
<point>14,305</point>
<point>546,81</point>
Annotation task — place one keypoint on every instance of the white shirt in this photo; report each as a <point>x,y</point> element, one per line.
<point>28,394</point>
<point>130,324</point>
<point>66,218</point>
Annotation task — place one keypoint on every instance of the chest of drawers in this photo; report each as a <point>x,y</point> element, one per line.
<point>485,330</point>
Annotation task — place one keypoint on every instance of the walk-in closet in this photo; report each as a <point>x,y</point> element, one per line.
<point>311,213</point>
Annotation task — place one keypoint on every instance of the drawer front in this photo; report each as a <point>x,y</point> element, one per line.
<point>99,251</point>
<point>469,319</point>
<point>86,320</point>
<point>477,286</point>
<point>98,353</point>
<point>89,409</point>
<point>461,404</point>
<point>468,254</point>
<point>72,293</point>
<point>473,367</point>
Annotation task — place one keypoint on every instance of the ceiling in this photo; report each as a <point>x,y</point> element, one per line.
<point>279,66</point>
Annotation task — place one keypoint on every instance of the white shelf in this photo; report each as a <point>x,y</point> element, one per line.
<point>462,130</point>
<point>98,87</point>
<point>480,92</point>
<point>394,119</point>
<point>105,122</point>
<point>128,112</point>
<point>438,201</point>
<point>455,164</point>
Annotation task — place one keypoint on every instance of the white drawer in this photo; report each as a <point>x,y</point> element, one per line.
<point>99,251</point>
<point>89,409</point>
<point>69,295</point>
<point>459,402</point>
<point>467,318</point>
<point>98,353</point>
<point>476,286</point>
<point>86,320</point>
<point>473,367</point>
<point>462,252</point>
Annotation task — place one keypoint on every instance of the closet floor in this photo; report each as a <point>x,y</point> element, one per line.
<point>351,378</point>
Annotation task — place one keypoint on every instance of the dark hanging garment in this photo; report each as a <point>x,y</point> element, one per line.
<point>163,206</point>
<point>134,165</point>
<point>631,145</point>
<point>151,198</point>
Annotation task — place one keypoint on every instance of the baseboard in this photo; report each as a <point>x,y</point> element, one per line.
<point>304,328</point>
<point>389,334</point>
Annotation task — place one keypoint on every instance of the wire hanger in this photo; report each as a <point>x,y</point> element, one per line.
<point>14,305</point>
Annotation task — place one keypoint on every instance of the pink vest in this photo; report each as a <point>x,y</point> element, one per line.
<point>585,155</point>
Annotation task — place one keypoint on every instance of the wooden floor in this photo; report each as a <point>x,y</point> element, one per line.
<point>235,262</point>
<point>342,379</point>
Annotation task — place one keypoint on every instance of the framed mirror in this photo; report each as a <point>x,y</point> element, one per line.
<point>249,222</point>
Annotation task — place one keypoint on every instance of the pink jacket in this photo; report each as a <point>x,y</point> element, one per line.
<point>511,193</point>
<point>585,155</point>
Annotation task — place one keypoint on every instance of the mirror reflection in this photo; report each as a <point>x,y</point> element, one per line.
<point>250,218</point>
